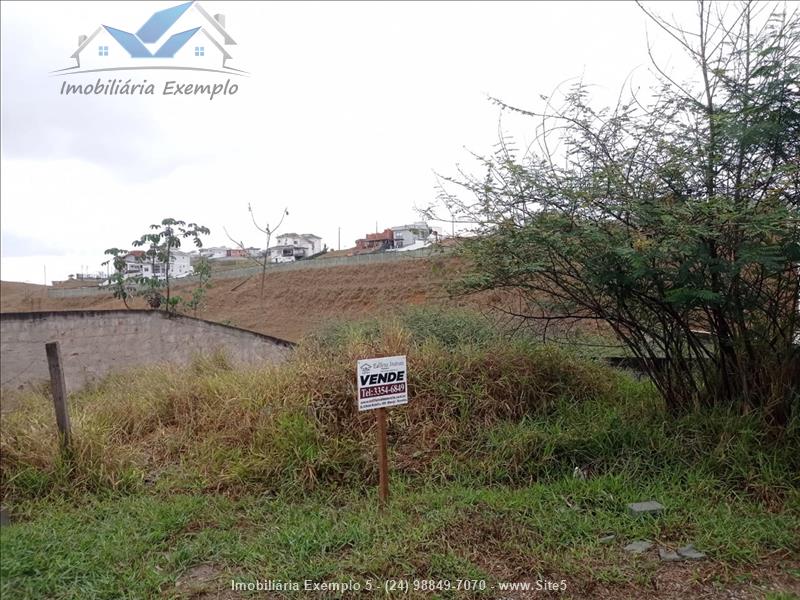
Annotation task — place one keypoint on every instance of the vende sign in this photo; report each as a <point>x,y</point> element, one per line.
<point>382,382</point>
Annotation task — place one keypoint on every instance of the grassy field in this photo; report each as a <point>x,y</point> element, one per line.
<point>188,482</point>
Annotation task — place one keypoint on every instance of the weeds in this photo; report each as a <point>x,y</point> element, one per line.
<point>484,410</point>
<point>272,471</point>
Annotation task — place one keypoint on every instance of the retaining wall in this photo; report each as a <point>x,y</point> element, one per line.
<point>95,343</point>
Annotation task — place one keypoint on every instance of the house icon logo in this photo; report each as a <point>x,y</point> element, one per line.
<point>184,37</point>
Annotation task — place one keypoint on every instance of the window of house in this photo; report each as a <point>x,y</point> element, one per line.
<point>199,51</point>
<point>102,50</point>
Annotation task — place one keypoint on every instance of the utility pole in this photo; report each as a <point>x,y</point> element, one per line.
<point>339,243</point>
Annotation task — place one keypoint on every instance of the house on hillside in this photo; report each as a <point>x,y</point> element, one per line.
<point>400,236</point>
<point>293,246</point>
<point>137,264</point>
<point>214,252</point>
<point>90,277</point>
<point>377,241</point>
<point>81,280</point>
<point>313,243</point>
<point>406,235</point>
<point>183,36</point>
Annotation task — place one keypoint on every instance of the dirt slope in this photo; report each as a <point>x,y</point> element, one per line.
<point>295,302</point>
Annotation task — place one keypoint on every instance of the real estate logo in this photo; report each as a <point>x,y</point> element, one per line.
<point>180,38</point>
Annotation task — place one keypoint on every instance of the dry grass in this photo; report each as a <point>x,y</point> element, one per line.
<point>210,426</point>
<point>484,409</point>
<point>295,302</point>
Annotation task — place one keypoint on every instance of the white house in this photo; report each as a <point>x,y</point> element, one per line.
<point>293,246</point>
<point>312,243</point>
<point>214,252</point>
<point>180,264</point>
<point>184,36</point>
<point>286,253</point>
<point>406,235</point>
<point>139,265</point>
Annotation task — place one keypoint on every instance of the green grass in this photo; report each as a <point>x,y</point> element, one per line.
<point>270,474</point>
<point>138,546</point>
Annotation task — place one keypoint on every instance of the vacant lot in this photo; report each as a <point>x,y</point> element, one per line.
<point>183,481</point>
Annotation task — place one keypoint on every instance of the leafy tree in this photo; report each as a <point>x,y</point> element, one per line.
<point>202,271</point>
<point>674,220</point>
<point>163,239</point>
<point>161,244</point>
<point>120,288</point>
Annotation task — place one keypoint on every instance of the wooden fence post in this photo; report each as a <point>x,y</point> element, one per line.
<point>59,390</point>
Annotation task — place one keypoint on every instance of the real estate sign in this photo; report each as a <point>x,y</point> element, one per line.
<point>382,382</point>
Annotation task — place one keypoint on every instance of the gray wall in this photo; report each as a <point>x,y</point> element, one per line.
<point>95,343</point>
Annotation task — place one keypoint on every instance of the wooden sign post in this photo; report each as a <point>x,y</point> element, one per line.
<point>383,459</point>
<point>382,382</point>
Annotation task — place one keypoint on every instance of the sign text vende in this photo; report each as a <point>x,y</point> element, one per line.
<point>382,382</point>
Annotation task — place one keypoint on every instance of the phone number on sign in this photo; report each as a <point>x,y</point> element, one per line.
<point>382,390</point>
<point>433,585</point>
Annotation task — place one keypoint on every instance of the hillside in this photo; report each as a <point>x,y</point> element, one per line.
<point>295,302</point>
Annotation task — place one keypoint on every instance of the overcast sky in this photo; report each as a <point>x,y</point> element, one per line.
<point>348,112</point>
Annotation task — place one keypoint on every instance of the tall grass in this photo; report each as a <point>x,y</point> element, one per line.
<point>483,409</point>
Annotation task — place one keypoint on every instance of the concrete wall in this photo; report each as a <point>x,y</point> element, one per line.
<point>95,343</point>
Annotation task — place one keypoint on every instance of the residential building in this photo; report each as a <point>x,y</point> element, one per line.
<point>81,280</point>
<point>312,243</point>
<point>214,252</point>
<point>286,253</point>
<point>92,277</point>
<point>293,246</point>
<point>137,264</point>
<point>400,236</point>
<point>377,241</point>
<point>406,235</point>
